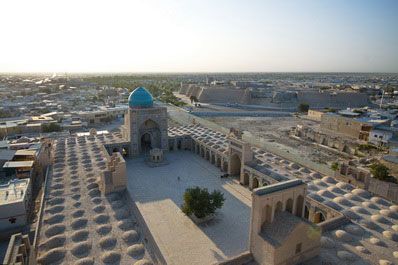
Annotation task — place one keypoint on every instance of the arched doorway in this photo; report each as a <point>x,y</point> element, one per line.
<point>289,205</point>
<point>202,152</point>
<point>218,164</point>
<point>225,166</point>
<point>306,213</point>
<point>300,206</point>
<point>278,207</point>
<point>146,142</point>
<point>319,218</point>
<point>213,158</point>
<point>179,144</point>
<point>235,164</point>
<point>255,183</point>
<point>246,178</point>
<point>267,214</point>
<point>207,155</point>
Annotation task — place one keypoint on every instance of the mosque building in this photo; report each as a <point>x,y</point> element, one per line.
<point>296,214</point>
<point>146,129</point>
<point>145,124</point>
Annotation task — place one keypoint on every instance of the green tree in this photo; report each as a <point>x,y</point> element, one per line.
<point>193,99</point>
<point>335,166</point>
<point>331,110</point>
<point>302,107</point>
<point>201,203</point>
<point>51,127</point>
<point>380,171</point>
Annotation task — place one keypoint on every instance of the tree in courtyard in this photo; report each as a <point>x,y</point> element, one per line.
<point>302,107</point>
<point>201,203</point>
<point>380,171</point>
<point>193,99</point>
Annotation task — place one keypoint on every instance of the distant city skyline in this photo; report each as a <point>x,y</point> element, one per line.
<point>199,36</point>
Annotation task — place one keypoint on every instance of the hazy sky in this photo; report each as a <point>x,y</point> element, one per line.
<point>201,35</point>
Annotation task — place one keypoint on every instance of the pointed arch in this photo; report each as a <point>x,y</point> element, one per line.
<point>289,205</point>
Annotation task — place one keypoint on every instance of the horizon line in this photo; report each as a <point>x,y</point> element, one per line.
<point>194,72</point>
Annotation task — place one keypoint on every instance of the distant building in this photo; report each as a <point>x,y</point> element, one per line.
<point>103,115</point>
<point>315,114</point>
<point>384,136</point>
<point>359,128</point>
<point>15,200</point>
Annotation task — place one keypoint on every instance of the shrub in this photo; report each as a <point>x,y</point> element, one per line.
<point>335,166</point>
<point>365,147</point>
<point>201,203</point>
<point>52,127</point>
<point>331,110</point>
<point>302,107</point>
<point>381,172</point>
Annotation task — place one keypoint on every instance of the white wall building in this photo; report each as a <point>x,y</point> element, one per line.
<point>380,137</point>
<point>15,199</point>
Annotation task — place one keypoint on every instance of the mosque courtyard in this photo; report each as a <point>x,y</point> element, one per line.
<point>158,195</point>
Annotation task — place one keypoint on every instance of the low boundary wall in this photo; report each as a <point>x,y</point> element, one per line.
<point>33,252</point>
<point>240,259</point>
<point>157,254</point>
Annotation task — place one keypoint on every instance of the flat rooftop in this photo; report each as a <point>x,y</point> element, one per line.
<point>13,191</point>
<point>159,195</point>
<point>18,164</point>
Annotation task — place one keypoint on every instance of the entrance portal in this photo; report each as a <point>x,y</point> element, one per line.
<point>150,136</point>
<point>146,144</point>
<point>235,165</point>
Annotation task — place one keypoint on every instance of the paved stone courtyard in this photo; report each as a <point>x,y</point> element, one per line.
<point>158,194</point>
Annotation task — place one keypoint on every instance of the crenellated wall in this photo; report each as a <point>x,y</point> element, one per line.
<point>113,178</point>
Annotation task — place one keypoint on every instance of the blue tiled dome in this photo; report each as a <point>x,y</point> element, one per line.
<point>140,97</point>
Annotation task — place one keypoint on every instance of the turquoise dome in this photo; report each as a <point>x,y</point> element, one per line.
<point>140,97</point>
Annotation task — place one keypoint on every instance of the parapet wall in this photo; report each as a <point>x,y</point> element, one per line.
<point>363,179</point>
<point>384,189</point>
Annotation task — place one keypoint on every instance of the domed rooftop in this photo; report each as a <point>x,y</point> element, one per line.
<point>140,97</point>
